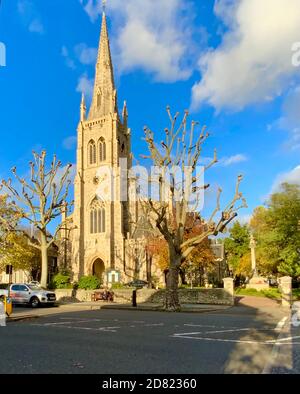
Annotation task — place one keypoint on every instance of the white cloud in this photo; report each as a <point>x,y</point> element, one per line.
<point>36,26</point>
<point>254,61</point>
<point>85,54</point>
<point>30,16</point>
<point>85,85</point>
<point>62,171</point>
<point>69,143</point>
<point>68,60</point>
<point>292,176</point>
<point>153,35</point>
<point>228,161</point>
<point>225,161</point>
<point>92,7</point>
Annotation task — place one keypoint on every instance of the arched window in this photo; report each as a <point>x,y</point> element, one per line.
<point>102,150</point>
<point>92,152</point>
<point>97,217</point>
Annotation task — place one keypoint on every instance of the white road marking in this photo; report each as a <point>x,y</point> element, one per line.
<point>101,329</point>
<point>205,326</point>
<point>250,342</point>
<point>281,324</point>
<point>287,339</point>
<point>223,331</point>
<point>275,351</point>
<point>115,320</point>
<point>228,327</point>
<point>109,329</point>
<point>206,335</point>
<point>217,339</point>
<point>182,335</point>
<point>66,322</point>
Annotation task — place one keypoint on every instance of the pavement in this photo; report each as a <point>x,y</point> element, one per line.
<point>24,313</point>
<point>241,339</point>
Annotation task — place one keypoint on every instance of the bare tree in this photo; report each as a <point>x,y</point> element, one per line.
<point>40,200</point>
<point>180,195</point>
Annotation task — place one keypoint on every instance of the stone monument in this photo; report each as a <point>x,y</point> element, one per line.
<point>256,282</point>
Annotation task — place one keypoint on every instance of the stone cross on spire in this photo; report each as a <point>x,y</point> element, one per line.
<point>104,5</point>
<point>104,97</point>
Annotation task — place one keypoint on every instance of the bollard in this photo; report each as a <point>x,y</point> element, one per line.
<point>134,297</point>
<point>2,315</point>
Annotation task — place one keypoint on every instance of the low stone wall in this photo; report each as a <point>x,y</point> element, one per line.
<point>69,295</point>
<point>124,296</point>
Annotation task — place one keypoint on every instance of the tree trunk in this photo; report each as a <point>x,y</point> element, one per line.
<point>149,270</point>
<point>44,255</point>
<point>172,298</point>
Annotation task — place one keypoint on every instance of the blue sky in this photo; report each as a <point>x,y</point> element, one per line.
<point>229,61</point>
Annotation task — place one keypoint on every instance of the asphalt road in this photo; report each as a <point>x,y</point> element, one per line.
<point>239,340</point>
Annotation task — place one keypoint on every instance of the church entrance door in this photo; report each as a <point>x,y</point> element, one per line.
<point>99,269</point>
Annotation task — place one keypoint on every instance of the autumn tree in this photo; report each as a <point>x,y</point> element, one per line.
<point>276,229</point>
<point>199,262</point>
<point>39,200</point>
<point>16,251</point>
<point>237,247</point>
<point>177,160</point>
<point>8,214</point>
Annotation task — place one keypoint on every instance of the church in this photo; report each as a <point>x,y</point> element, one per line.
<point>102,237</point>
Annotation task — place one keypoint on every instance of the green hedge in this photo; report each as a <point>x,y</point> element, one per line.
<point>61,281</point>
<point>89,283</point>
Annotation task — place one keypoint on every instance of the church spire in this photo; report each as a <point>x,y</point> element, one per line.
<point>104,97</point>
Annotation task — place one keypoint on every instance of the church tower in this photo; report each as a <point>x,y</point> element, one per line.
<point>100,218</point>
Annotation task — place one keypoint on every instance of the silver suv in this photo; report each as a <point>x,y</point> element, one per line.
<point>31,294</point>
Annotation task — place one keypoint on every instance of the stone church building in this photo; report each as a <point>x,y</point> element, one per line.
<point>102,239</point>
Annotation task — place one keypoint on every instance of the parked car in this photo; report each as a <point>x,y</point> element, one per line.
<point>137,283</point>
<point>29,294</point>
<point>273,282</point>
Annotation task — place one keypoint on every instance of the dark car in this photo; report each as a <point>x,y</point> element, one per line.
<point>273,282</point>
<point>138,284</point>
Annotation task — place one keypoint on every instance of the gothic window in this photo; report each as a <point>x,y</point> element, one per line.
<point>102,150</point>
<point>92,153</point>
<point>97,217</point>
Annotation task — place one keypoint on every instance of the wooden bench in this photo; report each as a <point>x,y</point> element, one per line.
<point>99,296</point>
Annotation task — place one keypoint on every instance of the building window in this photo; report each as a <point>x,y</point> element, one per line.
<point>97,218</point>
<point>92,152</point>
<point>102,150</point>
